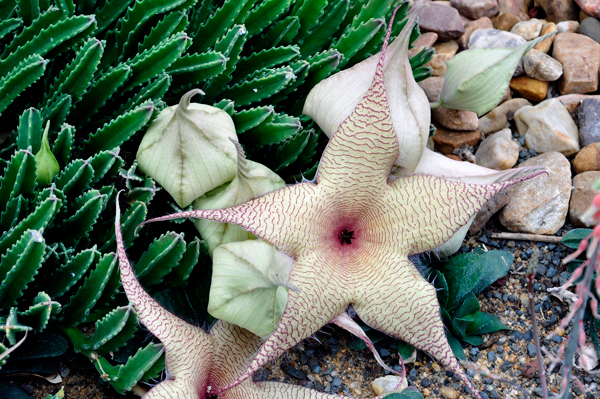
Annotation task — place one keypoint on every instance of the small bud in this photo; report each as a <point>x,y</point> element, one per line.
<point>47,165</point>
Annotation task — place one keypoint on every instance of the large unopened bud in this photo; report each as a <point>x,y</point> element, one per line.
<point>331,101</point>
<point>187,149</point>
<point>251,181</point>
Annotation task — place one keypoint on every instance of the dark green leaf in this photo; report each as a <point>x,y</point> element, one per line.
<point>309,13</point>
<point>267,58</point>
<point>57,111</point>
<point>180,273</point>
<point>30,130</point>
<point>574,237</point>
<point>281,128</point>
<point>325,30</point>
<point>216,26</point>
<point>474,340</point>
<point>19,177</point>
<point>66,6</point>
<point>405,349</point>
<point>39,313</point>
<point>290,150</point>
<point>46,40</point>
<point>356,38</point>
<point>262,16</point>
<point>408,393</point>
<point>64,144</point>
<point>164,29</point>
<point>46,19</point>
<point>19,265</point>
<point>103,162</point>
<point>460,324</point>
<point>86,296</point>
<point>251,118</point>
<point>75,177</point>
<point>469,305</point>
<point>15,209</point>
<point>20,78</point>
<point>117,131</point>
<point>129,222</point>
<point>59,282</point>
<point>28,10</point>
<point>282,33</point>
<point>100,91</point>
<point>484,323</point>
<point>441,287</point>
<point>86,209</point>
<point>262,87</point>
<point>230,45</point>
<point>109,13</point>
<point>9,25</point>
<point>162,255</point>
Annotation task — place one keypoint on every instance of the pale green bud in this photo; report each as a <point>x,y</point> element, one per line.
<point>47,165</point>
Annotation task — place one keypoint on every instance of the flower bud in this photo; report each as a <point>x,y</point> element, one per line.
<point>251,181</point>
<point>47,165</point>
<point>187,149</point>
<point>250,283</point>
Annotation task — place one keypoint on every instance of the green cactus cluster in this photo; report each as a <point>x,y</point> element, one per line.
<point>93,74</point>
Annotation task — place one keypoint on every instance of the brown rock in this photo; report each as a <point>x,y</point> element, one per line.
<point>540,205</point>
<point>475,9</point>
<point>531,369</point>
<point>544,45</point>
<point>432,87</point>
<point>470,27</point>
<point>519,8</point>
<point>572,101</point>
<point>426,39</point>
<point>505,21</point>
<point>589,7</point>
<point>580,57</point>
<point>507,96</point>
<point>454,157</point>
<point>449,393</point>
<point>582,195</point>
<point>489,209</point>
<point>588,159</point>
<point>446,141</point>
<point>497,118</point>
<point>443,52</point>
<point>558,10</point>
<point>531,89</point>
<point>443,20</point>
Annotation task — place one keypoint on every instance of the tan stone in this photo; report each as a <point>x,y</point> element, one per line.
<point>588,159</point>
<point>455,119</point>
<point>544,45</point>
<point>528,30</point>
<point>426,39</point>
<point>567,26</point>
<point>515,7</point>
<point>446,141</point>
<point>531,89</point>
<point>499,151</point>
<point>505,21</point>
<point>432,87</point>
<point>443,52</point>
<point>507,96</point>
<point>539,205</point>
<point>470,27</point>
<point>580,57</point>
<point>548,127</point>
<point>497,119</point>
<point>449,393</point>
<point>582,195</point>
<point>572,101</point>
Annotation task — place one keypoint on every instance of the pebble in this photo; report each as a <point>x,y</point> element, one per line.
<point>548,127</point>
<point>446,141</point>
<point>567,26</point>
<point>540,205</point>
<point>497,119</point>
<point>425,382</point>
<point>491,356</point>
<point>590,27</point>
<point>296,373</point>
<point>449,393</point>
<point>494,38</point>
<point>488,210</point>
<point>384,352</point>
<point>580,58</point>
<point>590,7</point>
<point>582,195</point>
<point>528,30</point>
<point>588,159</point>
<point>443,20</point>
<point>544,45</point>
<point>387,385</point>
<point>475,9</point>
<point>472,26</point>
<point>443,52</point>
<point>572,101</point>
<point>531,351</point>
<point>558,10</point>
<point>499,151</point>
<point>531,89</point>
<point>519,8</point>
<point>532,368</point>
<point>505,21</point>
<point>588,114</point>
<point>540,66</point>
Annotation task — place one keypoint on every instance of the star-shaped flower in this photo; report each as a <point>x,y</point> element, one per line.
<point>351,231</point>
<point>200,364</point>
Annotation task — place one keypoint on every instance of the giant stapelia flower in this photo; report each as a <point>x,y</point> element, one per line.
<point>199,363</point>
<point>350,233</point>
